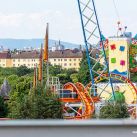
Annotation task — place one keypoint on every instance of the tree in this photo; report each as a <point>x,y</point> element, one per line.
<point>35,105</point>
<point>12,79</point>
<point>3,108</point>
<point>54,70</point>
<point>84,73</point>
<point>114,111</point>
<point>20,90</point>
<point>23,70</point>
<point>63,78</point>
<point>74,77</point>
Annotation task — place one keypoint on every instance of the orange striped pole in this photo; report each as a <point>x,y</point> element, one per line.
<point>46,44</point>
<point>41,65</point>
<point>34,78</point>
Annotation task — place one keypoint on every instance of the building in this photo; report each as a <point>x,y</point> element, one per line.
<point>65,58</point>
<point>25,58</point>
<point>5,59</point>
<point>58,46</point>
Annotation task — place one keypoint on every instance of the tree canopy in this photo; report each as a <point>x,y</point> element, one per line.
<point>114,111</point>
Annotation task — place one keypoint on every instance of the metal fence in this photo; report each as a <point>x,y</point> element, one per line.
<point>69,128</point>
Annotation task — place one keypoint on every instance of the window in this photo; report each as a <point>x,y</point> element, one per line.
<point>65,59</point>
<point>24,60</point>
<point>32,60</point>
<point>65,64</point>
<point>70,64</point>
<point>74,59</point>
<point>18,64</point>
<point>58,59</point>
<point>69,59</point>
<point>3,64</point>
<point>13,60</point>
<point>74,64</point>
<point>18,60</point>
<point>54,59</point>
<point>13,65</point>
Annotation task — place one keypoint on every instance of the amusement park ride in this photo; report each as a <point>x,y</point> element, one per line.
<point>110,81</point>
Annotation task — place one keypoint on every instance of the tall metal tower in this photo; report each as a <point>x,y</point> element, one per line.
<point>94,45</point>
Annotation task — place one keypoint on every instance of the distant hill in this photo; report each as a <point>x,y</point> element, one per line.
<point>35,43</point>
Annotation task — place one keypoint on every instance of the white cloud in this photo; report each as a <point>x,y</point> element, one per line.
<point>32,25</point>
<point>10,20</point>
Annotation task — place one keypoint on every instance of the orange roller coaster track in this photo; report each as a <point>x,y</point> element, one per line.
<point>86,110</point>
<point>83,97</point>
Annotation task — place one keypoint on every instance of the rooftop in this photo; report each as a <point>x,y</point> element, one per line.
<point>5,55</point>
<point>65,54</point>
<point>25,55</point>
<point>68,53</point>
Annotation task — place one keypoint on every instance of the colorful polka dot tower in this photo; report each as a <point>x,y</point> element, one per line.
<point>118,56</point>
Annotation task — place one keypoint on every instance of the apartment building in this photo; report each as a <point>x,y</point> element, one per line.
<point>5,59</point>
<point>25,58</point>
<point>65,58</point>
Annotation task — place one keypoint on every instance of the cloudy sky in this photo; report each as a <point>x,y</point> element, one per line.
<point>27,18</point>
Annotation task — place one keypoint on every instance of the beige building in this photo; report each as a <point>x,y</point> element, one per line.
<point>5,59</point>
<point>64,58</point>
<point>26,58</point>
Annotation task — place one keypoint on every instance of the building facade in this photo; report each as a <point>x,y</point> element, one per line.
<point>5,59</point>
<point>27,58</point>
<point>67,59</point>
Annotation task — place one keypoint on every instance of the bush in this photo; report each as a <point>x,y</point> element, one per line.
<point>36,105</point>
<point>23,70</point>
<point>114,111</point>
<point>3,108</point>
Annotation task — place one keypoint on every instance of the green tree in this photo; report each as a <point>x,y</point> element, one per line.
<point>114,111</point>
<point>74,77</point>
<point>23,70</point>
<point>37,104</point>
<point>63,78</point>
<point>84,73</point>
<point>54,70</point>
<point>3,108</point>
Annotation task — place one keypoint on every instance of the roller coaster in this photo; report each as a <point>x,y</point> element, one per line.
<point>79,100</point>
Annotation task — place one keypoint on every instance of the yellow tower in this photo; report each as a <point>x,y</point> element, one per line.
<point>119,56</point>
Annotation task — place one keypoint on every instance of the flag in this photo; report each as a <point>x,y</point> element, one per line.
<point>46,44</point>
<point>40,64</point>
<point>34,78</point>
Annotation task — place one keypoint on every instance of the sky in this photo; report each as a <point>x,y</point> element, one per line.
<point>28,18</point>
